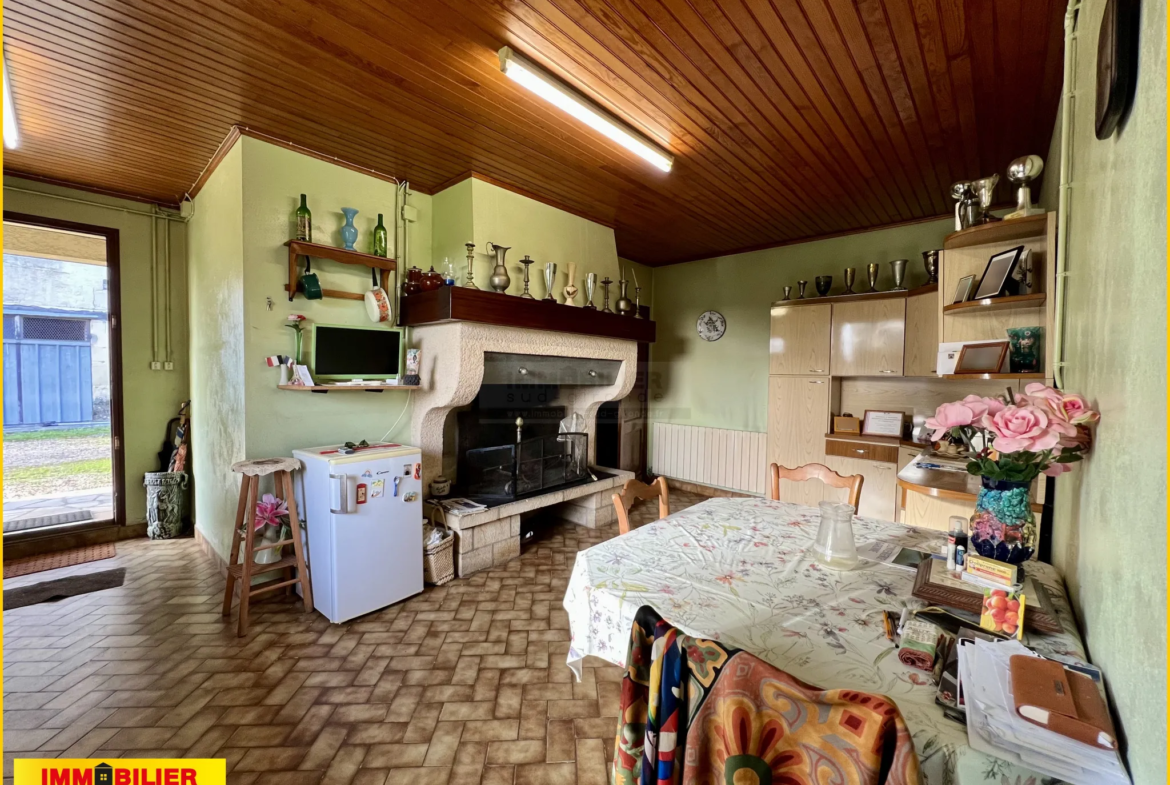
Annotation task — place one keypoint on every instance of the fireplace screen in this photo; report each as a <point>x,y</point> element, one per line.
<point>512,471</point>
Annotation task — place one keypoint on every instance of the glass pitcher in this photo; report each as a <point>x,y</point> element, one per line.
<point>834,546</point>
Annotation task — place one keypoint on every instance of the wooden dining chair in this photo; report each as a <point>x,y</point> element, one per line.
<point>816,471</point>
<point>632,491</point>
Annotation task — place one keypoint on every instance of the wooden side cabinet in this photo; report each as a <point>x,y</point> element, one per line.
<point>799,342</point>
<point>868,338</point>
<point>922,335</point>
<point>798,415</point>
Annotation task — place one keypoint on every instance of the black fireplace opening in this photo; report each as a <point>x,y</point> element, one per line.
<point>510,447</point>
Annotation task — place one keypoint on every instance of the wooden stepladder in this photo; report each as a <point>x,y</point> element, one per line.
<point>244,533</point>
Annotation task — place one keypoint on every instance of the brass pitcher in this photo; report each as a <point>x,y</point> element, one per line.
<point>499,280</point>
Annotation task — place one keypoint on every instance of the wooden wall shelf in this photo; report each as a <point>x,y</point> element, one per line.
<point>891,294</point>
<point>297,248</point>
<point>999,303</point>
<point>963,376</point>
<point>327,388</point>
<point>455,303</point>
<point>998,232</point>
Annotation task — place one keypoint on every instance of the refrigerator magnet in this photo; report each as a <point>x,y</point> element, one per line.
<point>377,489</point>
<point>406,470</point>
<point>418,471</point>
<point>361,493</point>
<point>397,480</point>
<point>411,497</point>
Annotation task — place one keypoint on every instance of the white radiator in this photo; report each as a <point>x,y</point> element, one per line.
<point>733,460</point>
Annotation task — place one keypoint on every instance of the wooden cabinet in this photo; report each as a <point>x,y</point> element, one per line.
<point>799,342</point>
<point>878,492</point>
<point>868,338</point>
<point>921,335</point>
<point>798,417</point>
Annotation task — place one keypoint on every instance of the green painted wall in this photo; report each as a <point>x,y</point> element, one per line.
<point>239,262</point>
<point>1111,543</point>
<point>150,398</point>
<point>724,384</point>
<point>481,212</point>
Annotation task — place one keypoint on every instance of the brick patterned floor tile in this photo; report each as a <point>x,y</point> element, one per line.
<point>464,684</point>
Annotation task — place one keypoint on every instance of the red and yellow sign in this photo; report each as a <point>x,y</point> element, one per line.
<point>120,771</point>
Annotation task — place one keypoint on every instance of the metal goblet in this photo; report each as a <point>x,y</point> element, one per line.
<point>824,283</point>
<point>850,277</point>
<point>872,270</point>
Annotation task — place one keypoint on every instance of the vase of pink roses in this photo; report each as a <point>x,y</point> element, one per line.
<point>1011,440</point>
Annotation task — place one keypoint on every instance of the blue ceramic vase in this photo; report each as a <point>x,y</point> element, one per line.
<point>1004,527</point>
<point>349,231</point>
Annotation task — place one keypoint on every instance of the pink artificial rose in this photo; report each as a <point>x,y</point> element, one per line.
<point>1075,410</point>
<point>949,415</point>
<point>977,405</point>
<point>1019,428</point>
<point>1056,469</point>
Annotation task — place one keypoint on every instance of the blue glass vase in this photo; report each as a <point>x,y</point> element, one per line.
<point>1004,527</point>
<point>349,231</point>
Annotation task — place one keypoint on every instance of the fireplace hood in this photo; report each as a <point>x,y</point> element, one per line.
<point>507,368</point>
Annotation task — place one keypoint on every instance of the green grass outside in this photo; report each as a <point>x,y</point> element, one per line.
<point>40,473</point>
<point>59,433</point>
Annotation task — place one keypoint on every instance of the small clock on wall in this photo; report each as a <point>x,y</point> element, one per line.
<point>711,326</point>
<point>1116,64</point>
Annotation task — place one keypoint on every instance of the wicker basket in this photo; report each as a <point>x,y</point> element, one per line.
<point>439,561</point>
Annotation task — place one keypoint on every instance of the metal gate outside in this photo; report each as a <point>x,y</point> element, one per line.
<point>48,371</point>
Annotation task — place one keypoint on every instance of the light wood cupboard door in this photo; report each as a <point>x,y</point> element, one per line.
<point>798,415</point>
<point>921,335</point>
<point>799,342</point>
<point>878,492</point>
<point>868,338</point>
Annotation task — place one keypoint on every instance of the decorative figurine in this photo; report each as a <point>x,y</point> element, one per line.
<point>1022,172</point>
<point>500,280</point>
<point>850,277</point>
<point>590,286</point>
<point>605,284</point>
<point>550,279</point>
<point>470,283</point>
<point>527,262</point>
<point>873,269</point>
<point>570,291</point>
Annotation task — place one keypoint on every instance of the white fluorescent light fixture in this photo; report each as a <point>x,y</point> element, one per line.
<point>11,131</point>
<point>560,95</point>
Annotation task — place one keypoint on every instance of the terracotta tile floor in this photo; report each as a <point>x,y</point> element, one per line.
<point>465,683</point>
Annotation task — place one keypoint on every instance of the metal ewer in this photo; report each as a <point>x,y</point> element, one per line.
<point>623,304</point>
<point>499,280</point>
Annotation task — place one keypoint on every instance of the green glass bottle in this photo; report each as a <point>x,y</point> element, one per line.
<point>304,222</point>
<point>380,238</point>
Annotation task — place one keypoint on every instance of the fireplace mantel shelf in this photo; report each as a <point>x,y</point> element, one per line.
<point>455,303</point>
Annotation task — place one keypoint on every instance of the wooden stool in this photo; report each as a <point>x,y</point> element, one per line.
<point>246,529</point>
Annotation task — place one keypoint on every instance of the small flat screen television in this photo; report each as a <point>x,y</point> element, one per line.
<point>348,352</point>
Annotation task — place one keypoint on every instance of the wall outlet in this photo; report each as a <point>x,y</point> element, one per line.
<point>155,365</point>
<point>168,366</point>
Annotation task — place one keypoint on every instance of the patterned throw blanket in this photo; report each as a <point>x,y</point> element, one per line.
<point>697,713</point>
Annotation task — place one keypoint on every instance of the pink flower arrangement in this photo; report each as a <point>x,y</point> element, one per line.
<point>1043,430</point>
<point>270,511</point>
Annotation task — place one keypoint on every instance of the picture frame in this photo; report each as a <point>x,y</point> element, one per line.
<point>883,423</point>
<point>997,276</point>
<point>846,424</point>
<point>987,357</point>
<point>963,290</point>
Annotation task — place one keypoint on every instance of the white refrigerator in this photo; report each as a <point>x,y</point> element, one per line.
<point>363,515</point>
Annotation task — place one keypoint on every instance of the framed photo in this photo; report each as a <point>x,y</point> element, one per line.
<point>998,274</point>
<point>879,423</point>
<point>963,290</point>
<point>982,357</point>
<point>846,424</point>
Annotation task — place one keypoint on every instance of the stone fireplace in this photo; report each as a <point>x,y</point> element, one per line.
<point>463,365</point>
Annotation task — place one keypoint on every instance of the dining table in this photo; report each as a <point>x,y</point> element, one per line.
<point>741,571</point>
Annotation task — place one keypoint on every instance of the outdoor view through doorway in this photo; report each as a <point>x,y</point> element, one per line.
<point>57,370</point>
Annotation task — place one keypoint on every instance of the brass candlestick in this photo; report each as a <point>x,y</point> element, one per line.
<point>526,262</point>
<point>638,303</point>
<point>470,283</point>
<point>605,284</point>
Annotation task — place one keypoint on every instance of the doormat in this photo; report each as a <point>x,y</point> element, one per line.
<point>72,516</point>
<point>60,588</point>
<point>53,561</point>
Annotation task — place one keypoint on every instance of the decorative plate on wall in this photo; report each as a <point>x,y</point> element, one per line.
<point>711,326</point>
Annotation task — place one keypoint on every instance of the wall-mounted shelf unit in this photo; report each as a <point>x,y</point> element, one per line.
<point>890,294</point>
<point>298,248</point>
<point>455,303</point>
<point>999,303</point>
<point>327,388</point>
<point>965,376</point>
<point>998,232</point>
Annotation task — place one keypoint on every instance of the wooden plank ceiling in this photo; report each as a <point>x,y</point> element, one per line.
<point>789,119</point>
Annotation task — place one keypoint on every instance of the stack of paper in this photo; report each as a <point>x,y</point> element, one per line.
<point>994,727</point>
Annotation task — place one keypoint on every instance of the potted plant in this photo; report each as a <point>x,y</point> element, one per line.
<point>272,526</point>
<point>1011,440</point>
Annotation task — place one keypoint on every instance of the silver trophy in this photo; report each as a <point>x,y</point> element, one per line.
<point>930,262</point>
<point>1022,172</point>
<point>850,277</point>
<point>550,278</point>
<point>984,189</point>
<point>590,285</point>
<point>899,267</point>
<point>872,270</point>
<point>966,206</point>
<point>787,292</point>
<point>801,285</point>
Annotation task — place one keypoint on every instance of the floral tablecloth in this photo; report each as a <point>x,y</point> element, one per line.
<point>738,571</point>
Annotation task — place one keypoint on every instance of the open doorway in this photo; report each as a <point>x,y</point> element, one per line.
<point>62,391</point>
